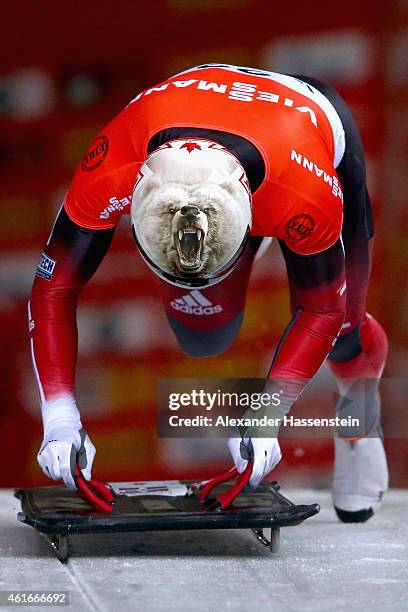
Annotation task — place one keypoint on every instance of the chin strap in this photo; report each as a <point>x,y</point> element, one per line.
<point>224,500</point>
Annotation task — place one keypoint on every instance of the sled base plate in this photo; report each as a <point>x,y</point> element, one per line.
<point>57,512</point>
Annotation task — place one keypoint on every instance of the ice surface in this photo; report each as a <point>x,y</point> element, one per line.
<point>322,565</point>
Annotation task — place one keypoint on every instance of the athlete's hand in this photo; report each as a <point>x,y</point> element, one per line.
<point>61,450</point>
<point>264,452</point>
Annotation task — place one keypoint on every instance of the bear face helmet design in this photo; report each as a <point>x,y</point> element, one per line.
<point>191,212</point>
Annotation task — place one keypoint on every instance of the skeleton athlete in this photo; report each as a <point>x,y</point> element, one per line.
<point>208,164</point>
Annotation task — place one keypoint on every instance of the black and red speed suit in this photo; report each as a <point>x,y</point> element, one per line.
<point>303,157</point>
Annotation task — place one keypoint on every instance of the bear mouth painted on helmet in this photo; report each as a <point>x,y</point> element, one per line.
<point>189,242</point>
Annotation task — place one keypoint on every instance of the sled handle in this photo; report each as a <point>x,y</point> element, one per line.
<point>95,493</point>
<point>205,489</point>
<point>225,499</point>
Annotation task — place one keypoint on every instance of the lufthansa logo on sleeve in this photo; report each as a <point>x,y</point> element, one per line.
<point>96,153</point>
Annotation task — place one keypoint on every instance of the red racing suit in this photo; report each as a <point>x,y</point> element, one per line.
<point>295,142</point>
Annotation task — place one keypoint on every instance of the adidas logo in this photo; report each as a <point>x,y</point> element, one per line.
<point>195,303</point>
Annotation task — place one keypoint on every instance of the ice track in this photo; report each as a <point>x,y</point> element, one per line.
<point>322,565</point>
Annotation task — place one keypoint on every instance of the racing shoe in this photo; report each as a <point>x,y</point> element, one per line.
<point>360,478</point>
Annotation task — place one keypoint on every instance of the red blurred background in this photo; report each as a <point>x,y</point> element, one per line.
<point>65,70</point>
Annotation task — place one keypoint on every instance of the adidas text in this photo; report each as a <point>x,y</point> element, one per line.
<point>197,310</point>
<point>195,303</point>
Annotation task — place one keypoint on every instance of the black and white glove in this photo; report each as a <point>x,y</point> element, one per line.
<point>65,444</point>
<point>62,450</point>
<point>264,452</point>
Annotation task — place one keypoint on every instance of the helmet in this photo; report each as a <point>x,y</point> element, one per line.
<point>191,212</point>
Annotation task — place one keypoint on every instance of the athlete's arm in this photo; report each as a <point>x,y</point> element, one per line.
<point>70,258</point>
<point>318,304</point>
<point>99,195</point>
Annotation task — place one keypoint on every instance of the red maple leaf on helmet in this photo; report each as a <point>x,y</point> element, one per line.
<point>190,146</point>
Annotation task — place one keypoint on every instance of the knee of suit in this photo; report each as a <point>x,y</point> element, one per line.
<point>362,352</point>
<point>374,342</point>
<point>347,346</point>
<point>203,343</point>
<point>358,378</point>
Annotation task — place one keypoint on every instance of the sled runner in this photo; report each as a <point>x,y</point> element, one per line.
<point>158,505</point>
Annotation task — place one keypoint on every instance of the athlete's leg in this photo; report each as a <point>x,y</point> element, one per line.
<point>359,355</point>
<point>207,321</point>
